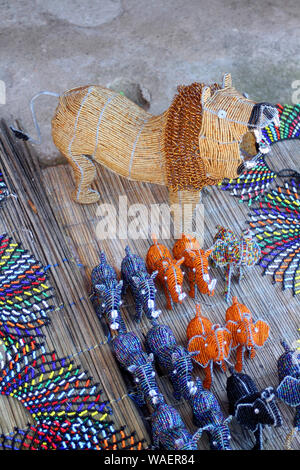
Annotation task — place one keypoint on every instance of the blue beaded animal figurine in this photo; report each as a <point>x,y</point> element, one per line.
<point>288,366</point>
<point>252,409</point>
<point>106,294</point>
<point>135,275</point>
<point>209,417</point>
<point>169,431</point>
<point>175,359</point>
<point>129,352</point>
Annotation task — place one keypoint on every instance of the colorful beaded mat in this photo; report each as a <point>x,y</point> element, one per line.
<point>276,221</point>
<point>3,189</point>
<point>66,406</point>
<point>252,184</point>
<point>62,434</point>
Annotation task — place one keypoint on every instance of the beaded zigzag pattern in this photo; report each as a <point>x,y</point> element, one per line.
<point>276,221</point>
<point>24,293</point>
<point>253,183</point>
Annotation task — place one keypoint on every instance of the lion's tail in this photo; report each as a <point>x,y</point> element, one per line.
<point>22,135</point>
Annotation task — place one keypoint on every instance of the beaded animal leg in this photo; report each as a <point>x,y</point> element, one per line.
<point>258,438</point>
<point>177,391</point>
<point>84,174</point>
<point>169,305</point>
<point>228,274</point>
<point>239,358</point>
<point>192,282</point>
<point>124,287</point>
<point>208,378</point>
<point>139,312</point>
<point>252,352</point>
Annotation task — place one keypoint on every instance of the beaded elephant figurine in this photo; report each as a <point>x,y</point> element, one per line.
<point>196,260</point>
<point>246,335</point>
<point>135,275</point>
<point>106,294</point>
<point>251,408</point>
<point>175,359</point>
<point>129,352</point>
<point>169,431</point>
<point>209,417</point>
<point>288,366</point>
<point>229,251</point>
<point>211,346</point>
<point>169,274</point>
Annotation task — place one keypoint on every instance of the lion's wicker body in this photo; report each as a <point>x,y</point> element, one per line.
<point>114,131</point>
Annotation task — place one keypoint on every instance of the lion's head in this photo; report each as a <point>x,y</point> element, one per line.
<point>227,117</point>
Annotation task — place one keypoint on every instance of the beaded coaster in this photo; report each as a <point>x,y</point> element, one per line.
<point>276,221</point>
<point>252,184</point>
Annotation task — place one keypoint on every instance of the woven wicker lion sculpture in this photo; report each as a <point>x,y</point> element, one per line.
<point>194,143</point>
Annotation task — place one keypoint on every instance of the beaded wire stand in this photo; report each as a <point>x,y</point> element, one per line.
<point>66,405</point>
<point>253,183</point>
<point>276,221</point>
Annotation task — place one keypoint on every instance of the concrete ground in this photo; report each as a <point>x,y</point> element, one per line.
<point>60,44</point>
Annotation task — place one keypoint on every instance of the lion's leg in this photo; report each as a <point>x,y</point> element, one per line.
<point>84,174</point>
<point>183,205</point>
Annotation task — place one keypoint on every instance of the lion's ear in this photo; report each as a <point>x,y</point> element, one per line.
<point>206,94</point>
<point>226,81</point>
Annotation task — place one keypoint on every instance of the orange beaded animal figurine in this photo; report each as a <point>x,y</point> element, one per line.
<point>212,342</point>
<point>196,260</point>
<point>246,335</point>
<point>169,275</point>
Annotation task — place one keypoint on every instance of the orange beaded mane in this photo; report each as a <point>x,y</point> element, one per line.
<point>185,168</point>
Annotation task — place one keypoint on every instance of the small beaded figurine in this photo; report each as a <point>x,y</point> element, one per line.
<point>175,359</point>
<point>209,417</point>
<point>288,366</point>
<point>129,352</point>
<point>230,252</point>
<point>135,275</point>
<point>197,261</point>
<point>211,346</point>
<point>169,431</point>
<point>251,408</point>
<point>106,294</point>
<point>246,335</point>
<point>169,275</point>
